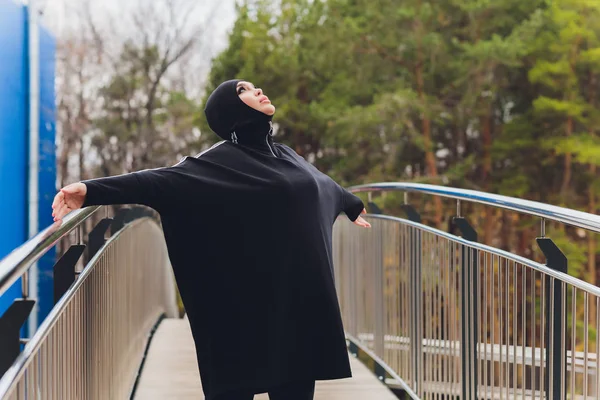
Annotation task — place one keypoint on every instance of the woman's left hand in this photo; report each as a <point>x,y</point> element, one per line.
<point>360,221</point>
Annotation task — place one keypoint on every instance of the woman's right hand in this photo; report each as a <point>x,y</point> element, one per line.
<point>360,221</point>
<point>69,198</point>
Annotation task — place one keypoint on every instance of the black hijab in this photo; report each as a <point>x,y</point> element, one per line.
<point>232,119</point>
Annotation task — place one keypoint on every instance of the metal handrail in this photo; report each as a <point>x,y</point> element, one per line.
<point>579,219</point>
<point>18,367</point>
<point>569,279</point>
<point>17,263</point>
<point>407,282</point>
<point>68,356</point>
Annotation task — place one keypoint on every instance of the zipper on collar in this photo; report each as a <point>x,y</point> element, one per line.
<point>267,139</point>
<point>270,148</point>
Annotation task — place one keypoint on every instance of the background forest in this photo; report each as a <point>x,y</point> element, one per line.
<point>493,95</point>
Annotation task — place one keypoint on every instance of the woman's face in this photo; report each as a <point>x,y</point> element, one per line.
<point>254,98</point>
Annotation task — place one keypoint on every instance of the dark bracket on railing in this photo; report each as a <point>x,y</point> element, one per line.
<point>451,227</point>
<point>373,364</point>
<point>412,214</point>
<point>126,215</point>
<point>373,208</point>
<point>138,212</point>
<point>469,272</point>
<point>465,229</point>
<point>380,372</point>
<point>353,348</point>
<point>10,326</point>
<point>64,270</point>
<point>118,220</point>
<point>556,260</point>
<point>96,237</point>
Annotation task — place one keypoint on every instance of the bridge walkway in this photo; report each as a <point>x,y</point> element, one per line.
<point>170,372</point>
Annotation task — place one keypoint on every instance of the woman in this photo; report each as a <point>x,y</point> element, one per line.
<point>248,225</point>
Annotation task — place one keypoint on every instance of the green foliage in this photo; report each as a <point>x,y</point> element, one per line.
<point>501,95</point>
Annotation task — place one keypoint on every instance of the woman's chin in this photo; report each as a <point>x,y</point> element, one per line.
<point>269,109</point>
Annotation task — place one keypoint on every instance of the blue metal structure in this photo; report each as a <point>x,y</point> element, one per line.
<point>13,132</point>
<point>47,169</point>
<point>14,98</point>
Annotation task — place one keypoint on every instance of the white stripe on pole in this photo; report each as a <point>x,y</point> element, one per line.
<point>34,118</point>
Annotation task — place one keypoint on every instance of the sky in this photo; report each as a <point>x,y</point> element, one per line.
<point>61,15</point>
<point>114,21</point>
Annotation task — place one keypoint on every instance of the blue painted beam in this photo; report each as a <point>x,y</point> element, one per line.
<point>13,134</point>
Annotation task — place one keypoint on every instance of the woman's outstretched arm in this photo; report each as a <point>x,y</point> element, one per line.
<point>150,187</point>
<point>353,206</point>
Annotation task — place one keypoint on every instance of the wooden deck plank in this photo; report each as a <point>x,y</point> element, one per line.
<point>170,372</point>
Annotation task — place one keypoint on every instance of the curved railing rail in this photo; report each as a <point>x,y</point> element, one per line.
<point>17,263</point>
<point>443,315</point>
<point>548,212</point>
<point>91,344</point>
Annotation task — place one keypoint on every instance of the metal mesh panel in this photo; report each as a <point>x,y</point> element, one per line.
<point>91,345</point>
<point>454,318</point>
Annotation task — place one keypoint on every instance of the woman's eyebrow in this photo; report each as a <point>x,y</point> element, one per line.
<point>247,84</point>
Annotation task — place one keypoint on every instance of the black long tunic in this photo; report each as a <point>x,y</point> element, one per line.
<point>249,236</point>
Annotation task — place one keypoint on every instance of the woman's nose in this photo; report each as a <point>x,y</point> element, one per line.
<point>259,91</point>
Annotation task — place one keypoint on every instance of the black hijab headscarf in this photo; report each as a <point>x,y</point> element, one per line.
<point>232,119</point>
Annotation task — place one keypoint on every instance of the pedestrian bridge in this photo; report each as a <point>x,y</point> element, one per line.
<point>428,313</point>
<point>170,372</point>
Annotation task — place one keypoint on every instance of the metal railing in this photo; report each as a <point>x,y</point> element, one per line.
<point>17,263</point>
<point>545,211</point>
<point>447,317</point>
<point>92,343</point>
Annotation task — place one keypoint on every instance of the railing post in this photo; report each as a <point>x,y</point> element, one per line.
<point>556,260</point>
<point>416,293</point>
<point>378,303</point>
<point>469,304</point>
<point>416,289</point>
